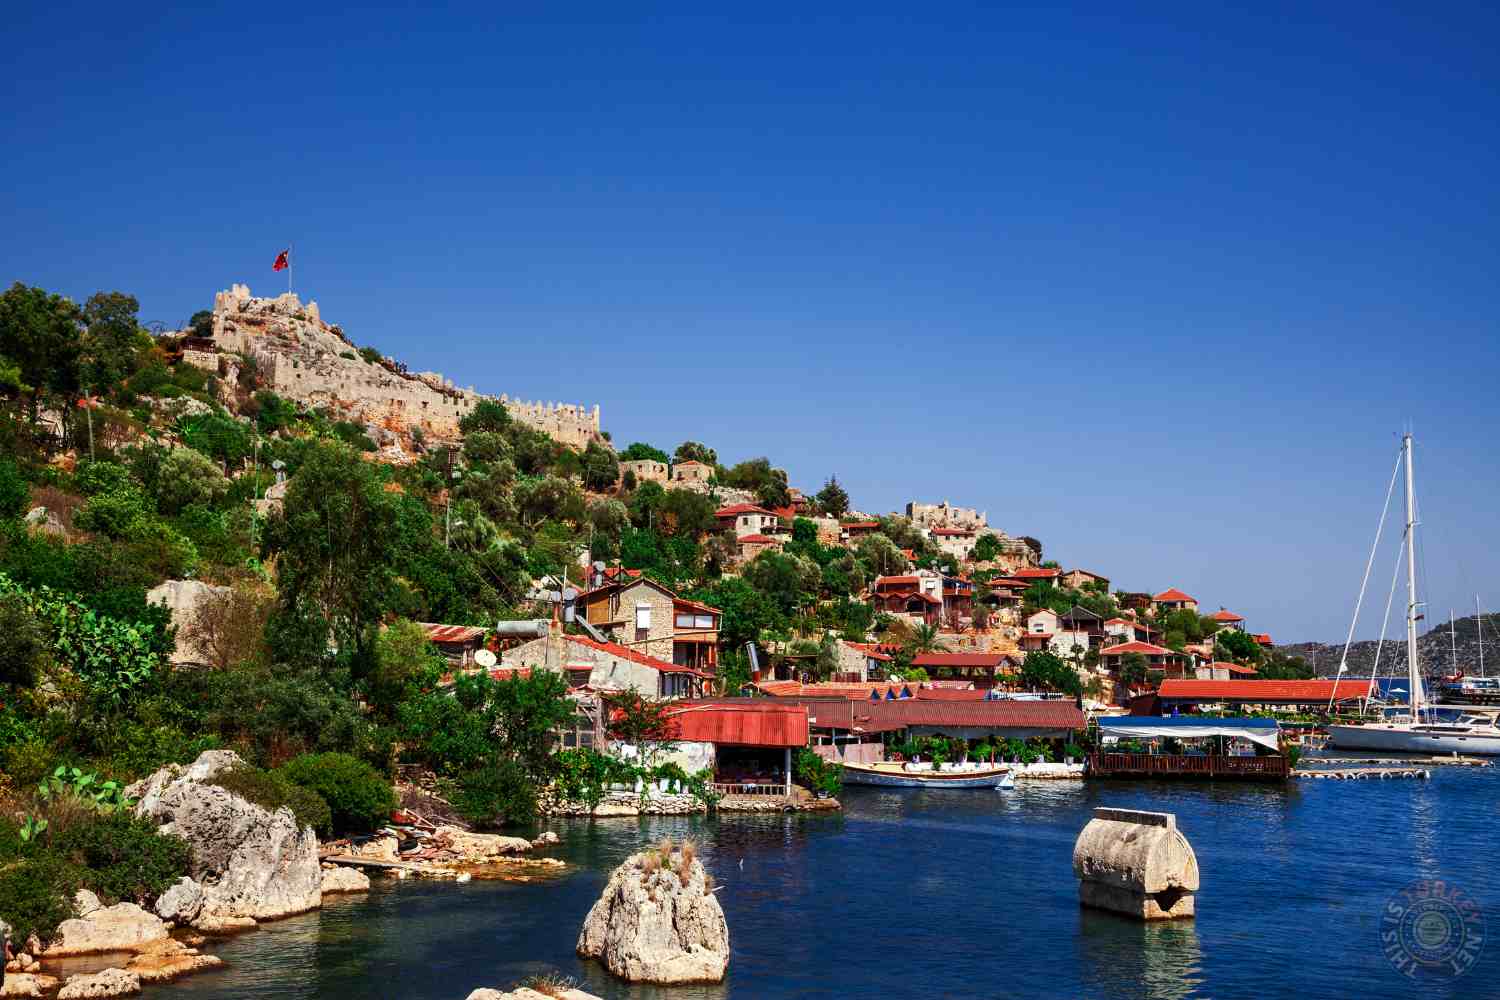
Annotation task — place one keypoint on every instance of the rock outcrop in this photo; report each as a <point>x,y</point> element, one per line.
<point>183,598</point>
<point>181,903</point>
<point>109,983</point>
<point>98,929</point>
<point>27,984</point>
<point>658,922</point>
<point>477,848</point>
<point>338,879</point>
<point>253,864</point>
<point>168,959</point>
<point>527,993</point>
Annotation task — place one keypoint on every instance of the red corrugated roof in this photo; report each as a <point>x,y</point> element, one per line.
<point>683,602</point>
<point>1252,691</point>
<point>868,648</point>
<point>626,653</point>
<point>880,580</point>
<point>982,714</point>
<point>860,524</point>
<point>853,692</point>
<point>451,633</point>
<point>1172,594</point>
<point>959,660</point>
<point>740,724</point>
<point>950,694</point>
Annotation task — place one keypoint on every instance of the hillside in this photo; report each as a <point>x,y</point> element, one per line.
<point>1435,648</point>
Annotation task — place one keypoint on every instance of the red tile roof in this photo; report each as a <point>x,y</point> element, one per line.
<point>740,724</point>
<point>879,580</point>
<point>852,692</point>
<point>1036,573</point>
<point>683,602</point>
<point>868,648</point>
<point>755,540</point>
<point>1145,648</point>
<point>959,660</point>
<point>1225,616</point>
<point>742,508</point>
<point>981,714</point>
<point>1172,594</point>
<point>950,694</point>
<point>1253,691</point>
<point>1264,639</point>
<point>634,656</point>
<point>451,633</point>
<point>860,524</point>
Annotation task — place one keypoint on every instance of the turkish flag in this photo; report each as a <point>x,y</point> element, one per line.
<point>281,261</point>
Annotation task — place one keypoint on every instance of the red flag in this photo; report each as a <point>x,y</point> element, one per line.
<point>282,263</point>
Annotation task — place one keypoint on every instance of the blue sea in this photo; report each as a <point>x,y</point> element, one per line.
<point>947,894</point>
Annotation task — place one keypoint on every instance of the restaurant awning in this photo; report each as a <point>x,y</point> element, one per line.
<point>1183,727</point>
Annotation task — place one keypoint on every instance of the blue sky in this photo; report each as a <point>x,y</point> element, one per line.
<point>1158,288</point>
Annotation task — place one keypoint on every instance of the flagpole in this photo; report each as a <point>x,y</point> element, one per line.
<point>289,268</point>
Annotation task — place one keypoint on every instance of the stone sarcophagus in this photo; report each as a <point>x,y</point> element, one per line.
<point>1136,863</point>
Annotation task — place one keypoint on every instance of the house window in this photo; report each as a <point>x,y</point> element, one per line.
<point>643,616</point>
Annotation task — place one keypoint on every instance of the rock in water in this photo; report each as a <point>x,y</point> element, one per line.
<point>181,903</point>
<point>253,864</point>
<point>652,926</point>
<point>341,879</point>
<point>527,993</point>
<point>109,983</point>
<point>97,929</point>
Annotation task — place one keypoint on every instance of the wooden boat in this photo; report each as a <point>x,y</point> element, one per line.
<point>893,775</point>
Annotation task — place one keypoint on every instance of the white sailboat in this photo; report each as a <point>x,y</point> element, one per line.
<point>1469,734</point>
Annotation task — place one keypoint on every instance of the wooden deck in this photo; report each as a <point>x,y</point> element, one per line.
<point>1164,765</point>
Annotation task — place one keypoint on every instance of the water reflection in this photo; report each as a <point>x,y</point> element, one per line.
<point>1162,957</point>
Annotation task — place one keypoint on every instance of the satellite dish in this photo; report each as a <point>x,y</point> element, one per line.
<point>485,658</point>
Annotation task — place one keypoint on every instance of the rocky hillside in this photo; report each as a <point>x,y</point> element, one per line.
<point>1434,647</point>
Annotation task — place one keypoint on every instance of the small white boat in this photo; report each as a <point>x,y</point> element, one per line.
<point>893,775</point>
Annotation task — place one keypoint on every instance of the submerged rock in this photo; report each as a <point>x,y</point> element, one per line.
<point>527,993</point>
<point>168,959</point>
<point>253,864</point>
<point>97,929</point>
<point>658,922</point>
<point>109,983</point>
<point>340,879</point>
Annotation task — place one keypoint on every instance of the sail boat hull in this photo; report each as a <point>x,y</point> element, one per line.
<point>1414,739</point>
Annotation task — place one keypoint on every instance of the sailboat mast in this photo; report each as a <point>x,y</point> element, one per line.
<point>1479,631</point>
<point>1414,675</point>
<point>1452,643</point>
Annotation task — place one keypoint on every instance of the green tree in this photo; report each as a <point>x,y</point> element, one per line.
<point>832,498</point>
<point>829,660</point>
<point>487,415</point>
<point>687,513</point>
<point>39,334</point>
<point>406,663</point>
<point>1042,669</point>
<point>601,469</point>
<point>334,546</point>
<point>1234,644</point>
<point>486,447</point>
<point>112,339</point>
<point>639,451</point>
<point>986,547</point>
<point>749,615</point>
<point>273,413</point>
<point>880,555</point>
<point>187,477</point>
<point>15,494</point>
<point>692,451</point>
<point>1134,668</point>
<point>218,436</point>
<point>23,642</point>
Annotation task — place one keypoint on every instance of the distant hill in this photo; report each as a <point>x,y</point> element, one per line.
<point>1435,651</point>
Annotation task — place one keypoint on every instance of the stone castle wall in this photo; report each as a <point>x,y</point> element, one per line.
<point>300,357</point>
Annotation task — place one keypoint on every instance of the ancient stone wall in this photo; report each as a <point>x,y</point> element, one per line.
<point>299,356</point>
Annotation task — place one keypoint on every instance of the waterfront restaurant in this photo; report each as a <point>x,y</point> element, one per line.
<point>750,741</point>
<point>1189,746</point>
<point>984,670</point>
<point>1247,694</point>
<point>977,720</point>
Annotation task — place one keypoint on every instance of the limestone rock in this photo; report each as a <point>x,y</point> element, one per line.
<point>378,849</point>
<point>40,520</point>
<point>85,902</point>
<point>122,927</point>
<point>181,903</point>
<point>27,985</point>
<point>650,926</point>
<point>477,847</point>
<point>526,993</point>
<point>167,959</point>
<point>547,838</point>
<point>341,879</point>
<point>183,598</point>
<point>109,983</point>
<point>252,863</point>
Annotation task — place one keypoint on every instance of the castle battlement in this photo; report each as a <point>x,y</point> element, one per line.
<point>306,360</point>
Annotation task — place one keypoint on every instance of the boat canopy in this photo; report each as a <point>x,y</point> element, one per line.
<point>1187,727</point>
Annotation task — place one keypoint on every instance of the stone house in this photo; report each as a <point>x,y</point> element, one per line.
<point>692,472</point>
<point>646,617</point>
<point>944,515</point>
<point>1080,578</point>
<point>859,662</point>
<point>1128,629</point>
<point>608,667</point>
<point>851,532</point>
<point>956,542</point>
<point>748,519</point>
<point>749,546</point>
<point>647,470</point>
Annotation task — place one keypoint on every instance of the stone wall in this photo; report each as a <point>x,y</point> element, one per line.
<point>299,356</point>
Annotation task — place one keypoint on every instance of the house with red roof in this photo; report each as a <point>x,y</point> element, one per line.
<point>1080,578</point>
<point>748,519</point>
<point>748,547</point>
<point>956,542</point>
<point>1173,600</point>
<point>851,532</point>
<point>608,667</point>
<point>1157,657</point>
<point>1228,619</point>
<point>1125,629</point>
<point>457,643</point>
<point>916,596</point>
<point>1038,574</point>
<point>646,616</point>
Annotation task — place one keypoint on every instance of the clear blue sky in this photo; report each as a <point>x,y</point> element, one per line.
<point>1156,289</point>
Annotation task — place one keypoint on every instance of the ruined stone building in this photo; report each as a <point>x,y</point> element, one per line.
<point>302,358</point>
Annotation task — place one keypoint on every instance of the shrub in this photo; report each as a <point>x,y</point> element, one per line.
<point>36,893</point>
<point>14,493</point>
<point>188,477</point>
<point>359,796</point>
<point>496,795</point>
<point>125,857</point>
<point>272,790</point>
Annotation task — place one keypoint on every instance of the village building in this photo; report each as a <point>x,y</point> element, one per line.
<point>692,472</point>
<point>830,532</point>
<point>1080,578</point>
<point>646,470</point>
<point>748,547</point>
<point>645,616</point>
<point>457,643</point>
<point>1228,619</point>
<point>945,515</point>
<point>850,532</point>
<point>748,742</point>
<point>958,598</point>
<point>1221,670</point>
<point>917,597</point>
<point>1133,601</point>
<point>1157,657</point>
<point>981,671</point>
<point>1172,600</point>
<point>956,542</point>
<point>1129,629</point>
<point>1254,693</point>
<point>608,667</point>
<point>748,519</point>
<point>1037,574</point>
<point>860,662</point>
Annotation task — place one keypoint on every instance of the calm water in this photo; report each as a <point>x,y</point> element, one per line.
<point>938,894</point>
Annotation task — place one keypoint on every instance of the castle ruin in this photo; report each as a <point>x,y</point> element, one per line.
<point>300,357</point>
